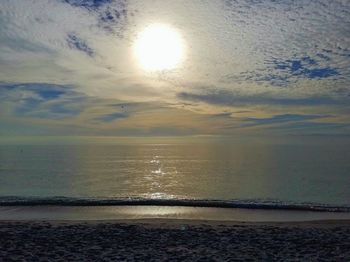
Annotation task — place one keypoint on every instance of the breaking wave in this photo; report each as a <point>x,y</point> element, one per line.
<point>128,201</point>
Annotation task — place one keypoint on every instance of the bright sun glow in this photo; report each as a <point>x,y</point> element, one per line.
<point>159,47</point>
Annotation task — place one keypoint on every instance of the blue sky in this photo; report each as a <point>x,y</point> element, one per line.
<point>251,67</point>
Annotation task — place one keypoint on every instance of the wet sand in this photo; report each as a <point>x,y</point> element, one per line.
<point>86,213</point>
<point>174,240</point>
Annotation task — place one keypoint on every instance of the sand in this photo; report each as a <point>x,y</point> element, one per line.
<point>173,240</point>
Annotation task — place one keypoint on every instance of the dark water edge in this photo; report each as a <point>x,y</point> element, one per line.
<point>245,204</point>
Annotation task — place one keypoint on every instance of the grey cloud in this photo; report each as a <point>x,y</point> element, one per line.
<point>285,72</point>
<point>227,98</point>
<point>76,42</point>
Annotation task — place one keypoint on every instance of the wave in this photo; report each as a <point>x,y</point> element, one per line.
<point>247,204</point>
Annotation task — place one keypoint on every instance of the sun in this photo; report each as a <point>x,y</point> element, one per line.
<point>159,47</point>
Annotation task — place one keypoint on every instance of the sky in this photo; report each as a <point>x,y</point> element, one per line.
<point>68,67</point>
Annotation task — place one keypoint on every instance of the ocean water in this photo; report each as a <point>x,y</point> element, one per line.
<point>299,171</point>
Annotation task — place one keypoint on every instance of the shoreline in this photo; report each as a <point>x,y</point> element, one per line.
<point>242,204</point>
<point>175,223</point>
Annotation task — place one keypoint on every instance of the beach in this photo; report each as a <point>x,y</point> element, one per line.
<point>174,240</point>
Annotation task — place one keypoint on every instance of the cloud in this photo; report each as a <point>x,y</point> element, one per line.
<point>112,117</point>
<point>229,98</point>
<point>312,128</point>
<point>75,42</point>
<point>286,72</point>
<point>60,107</point>
<point>50,101</point>
<point>109,12</point>
<point>40,100</point>
<point>70,63</point>
<point>305,67</point>
<point>290,44</point>
<point>43,41</point>
<point>278,119</point>
<point>256,43</point>
<point>42,90</point>
<point>89,4</point>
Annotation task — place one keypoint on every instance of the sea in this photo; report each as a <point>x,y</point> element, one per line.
<point>303,173</point>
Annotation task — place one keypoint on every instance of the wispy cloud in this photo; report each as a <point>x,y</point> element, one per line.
<point>41,100</point>
<point>278,119</point>
<point>112,117</point>
<point>230,98</point>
